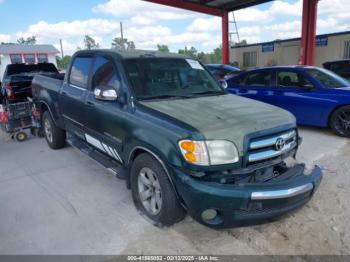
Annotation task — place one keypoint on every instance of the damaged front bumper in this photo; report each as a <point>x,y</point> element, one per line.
<point>223,205</point>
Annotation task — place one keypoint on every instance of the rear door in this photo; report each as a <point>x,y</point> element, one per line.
<point>73,93</point>
<point>105,120</point>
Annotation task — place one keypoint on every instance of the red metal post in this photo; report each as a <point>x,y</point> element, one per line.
<point>308,32</point>
<point>312,33</point>
<point>225,39</point>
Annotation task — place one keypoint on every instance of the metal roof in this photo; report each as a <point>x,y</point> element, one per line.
<point>27,49</point>
<point>212,7</point>
<point>228,5</point>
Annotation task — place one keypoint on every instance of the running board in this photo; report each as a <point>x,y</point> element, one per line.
<point>110,164</point>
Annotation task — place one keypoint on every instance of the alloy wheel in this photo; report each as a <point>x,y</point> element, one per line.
<point>48,130</point>
<point>149,191</point>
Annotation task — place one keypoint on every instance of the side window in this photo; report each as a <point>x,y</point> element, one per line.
<point>79,74</point>
<point>105,74</point>
<point>291,79</point>
<point>239,81</point>
<point>258,79</point>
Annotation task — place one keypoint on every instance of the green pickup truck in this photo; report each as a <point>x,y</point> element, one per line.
<point>165,125</point>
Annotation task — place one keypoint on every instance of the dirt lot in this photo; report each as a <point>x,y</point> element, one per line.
<point>60,202</point>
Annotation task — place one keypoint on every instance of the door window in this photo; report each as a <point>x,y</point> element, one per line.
<point>258,79</point>
<point>291,79</point>
<point>105,74</point>
<point>79,74</point>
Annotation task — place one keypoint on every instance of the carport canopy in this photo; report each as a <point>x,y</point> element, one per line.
<point>221,8</point>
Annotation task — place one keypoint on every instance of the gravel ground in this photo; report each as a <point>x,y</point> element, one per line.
<point>61,202</point>
<point>321,227</point>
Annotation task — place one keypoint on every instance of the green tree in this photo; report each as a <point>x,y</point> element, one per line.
<point>242,42</point>
<point>188,51</point>
<point>122,44</point>
<point>62,63</point>
<point>27,41</point>
<point>90,43</point>
<point>163,48</point>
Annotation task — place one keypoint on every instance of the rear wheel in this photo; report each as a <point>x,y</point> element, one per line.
<point>55,136</point>
<point>153,193</point>
<point>340,121</point>
<point>21,136</point>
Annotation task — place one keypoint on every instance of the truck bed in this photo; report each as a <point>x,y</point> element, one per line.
<point>46,83</point>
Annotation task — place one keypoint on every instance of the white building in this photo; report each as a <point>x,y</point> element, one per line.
<point>29,54</point>
<point>334,46</point>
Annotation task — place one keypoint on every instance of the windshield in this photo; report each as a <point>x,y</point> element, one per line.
<point>328,78</point>
<point>165,78</point>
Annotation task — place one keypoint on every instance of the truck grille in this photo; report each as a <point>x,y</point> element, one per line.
<point>272,146</point>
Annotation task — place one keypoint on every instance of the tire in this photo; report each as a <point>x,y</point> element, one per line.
<point>21,136</point>
<point>55,136</point>
<point>340,121</point>
<point>167,208</point>
<point>37,132</point>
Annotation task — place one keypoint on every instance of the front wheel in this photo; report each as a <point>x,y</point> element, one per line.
<point>153,193</point>
<point>55,136</point>
<point>340,121</point>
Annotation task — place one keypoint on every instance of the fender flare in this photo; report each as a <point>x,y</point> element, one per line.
<point>49,109</point>
<point>161,163</point>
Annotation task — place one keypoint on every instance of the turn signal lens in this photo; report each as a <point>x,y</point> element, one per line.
<point>194,152</point>
<point>190,157</point>
<point>211,152</point>
<point>188,146</point>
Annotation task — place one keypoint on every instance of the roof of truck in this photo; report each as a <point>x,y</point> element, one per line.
<point>136,53</point>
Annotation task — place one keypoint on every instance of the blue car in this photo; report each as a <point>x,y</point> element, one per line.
<point>221,72</point>
<point>315,96</point>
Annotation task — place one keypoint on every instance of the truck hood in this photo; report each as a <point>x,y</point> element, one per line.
<point>226,117</point>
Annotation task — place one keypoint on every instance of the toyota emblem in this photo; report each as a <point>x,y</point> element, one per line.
<point>280,143</point>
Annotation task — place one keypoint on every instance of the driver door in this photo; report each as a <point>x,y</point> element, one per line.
<point>105,120</point>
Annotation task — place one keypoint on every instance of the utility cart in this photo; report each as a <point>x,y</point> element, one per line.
<point>15,118</point>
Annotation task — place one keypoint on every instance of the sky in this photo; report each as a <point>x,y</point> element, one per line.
<point>150,24</point>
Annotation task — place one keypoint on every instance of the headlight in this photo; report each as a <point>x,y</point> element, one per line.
<point>212,152</point>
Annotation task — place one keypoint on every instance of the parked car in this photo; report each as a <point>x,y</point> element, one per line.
<point>181,142</point>
<point>315,96</point>
<point>17,80</point>
<point>340,67</point>
<point>221,71</point>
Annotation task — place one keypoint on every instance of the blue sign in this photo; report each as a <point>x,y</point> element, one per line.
<point>268,47</point>
<point>321,40</point>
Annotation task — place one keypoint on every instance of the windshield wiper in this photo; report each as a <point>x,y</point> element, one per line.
<point>209,92</point>
<point>165,96</point>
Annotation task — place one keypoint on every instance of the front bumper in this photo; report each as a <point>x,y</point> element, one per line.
<point>247,203</point>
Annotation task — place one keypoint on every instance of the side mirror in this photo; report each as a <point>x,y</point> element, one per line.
<point>105,93</point>
<point>223,83</point>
